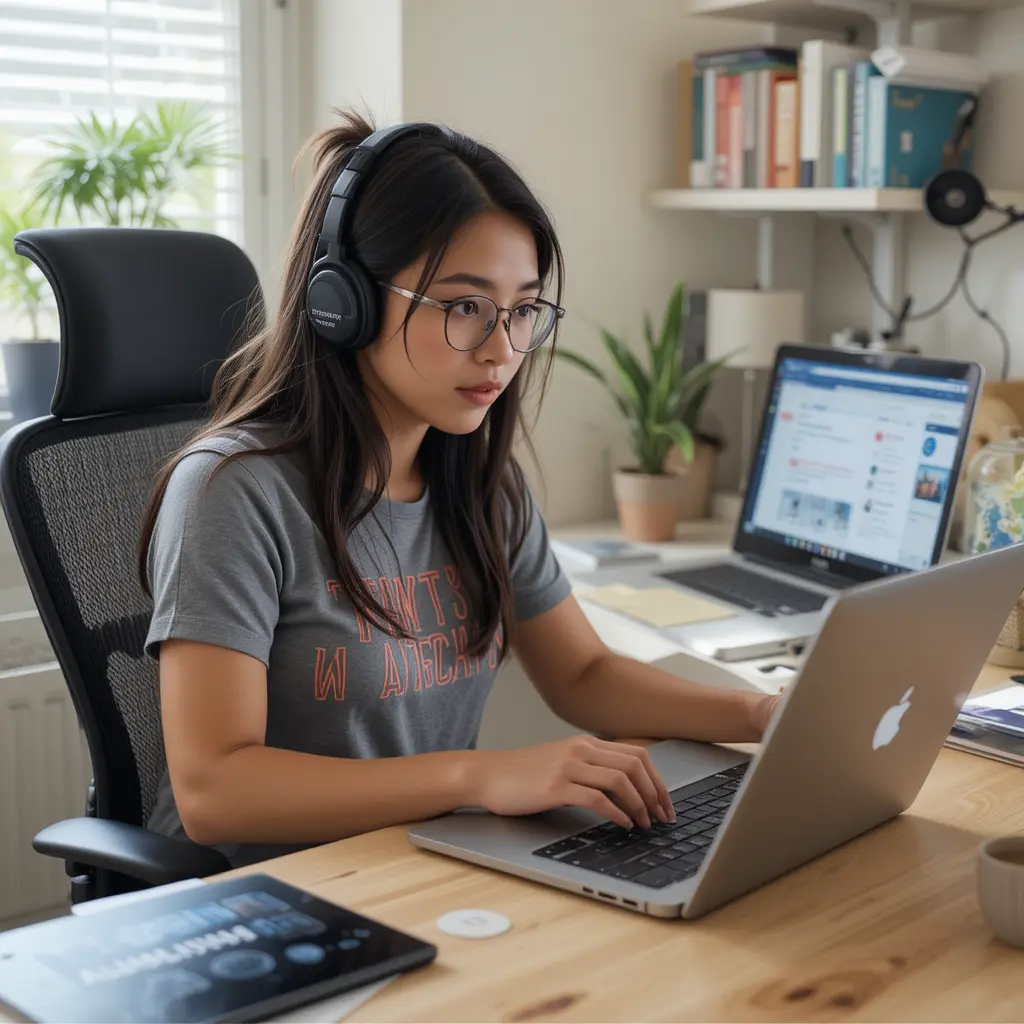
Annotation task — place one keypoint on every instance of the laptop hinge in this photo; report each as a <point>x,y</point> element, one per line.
<point>807,572</point>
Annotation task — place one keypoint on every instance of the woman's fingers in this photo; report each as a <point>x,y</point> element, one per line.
<point>638,764</point>
<point>594,800</point>
<point>616,784</point>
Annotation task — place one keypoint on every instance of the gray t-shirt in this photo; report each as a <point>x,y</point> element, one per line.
<point>236,560</point>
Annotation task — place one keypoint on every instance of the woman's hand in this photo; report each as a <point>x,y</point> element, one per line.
<point>616,780</point>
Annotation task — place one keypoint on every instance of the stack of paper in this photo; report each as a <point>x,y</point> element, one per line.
<point>992,725</point>
<point>657,606</point>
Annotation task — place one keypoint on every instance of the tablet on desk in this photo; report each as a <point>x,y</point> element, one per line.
<point>239,950</point>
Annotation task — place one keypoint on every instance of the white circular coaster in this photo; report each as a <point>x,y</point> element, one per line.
<point>473,924</point>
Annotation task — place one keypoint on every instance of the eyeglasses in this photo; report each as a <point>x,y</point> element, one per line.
<point>469,321</point>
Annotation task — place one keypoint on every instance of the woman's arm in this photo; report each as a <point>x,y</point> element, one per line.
<point>592,688</point>
<point>230,787</point>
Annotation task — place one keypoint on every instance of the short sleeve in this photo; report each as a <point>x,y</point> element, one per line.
<point>538,581</point>
<point>214,561</point>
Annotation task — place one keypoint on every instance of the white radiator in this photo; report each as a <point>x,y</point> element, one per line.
<point>44,776</point>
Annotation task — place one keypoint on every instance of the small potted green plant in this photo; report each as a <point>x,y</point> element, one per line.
<point>31,358</point>
<point>661,403</point>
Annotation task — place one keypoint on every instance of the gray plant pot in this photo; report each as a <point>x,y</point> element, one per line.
<point>31,368</point>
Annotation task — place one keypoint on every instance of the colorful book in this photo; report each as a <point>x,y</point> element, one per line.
<point>700,176</point>
<point>729,131</point>
<point>841,128</point>
<point>818,59</point>
<point>908,128</point>
<point>863,71</point>
<point>786,132</point>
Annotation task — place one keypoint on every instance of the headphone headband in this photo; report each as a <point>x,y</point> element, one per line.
<point>342,301</point>
<point>352,177</point>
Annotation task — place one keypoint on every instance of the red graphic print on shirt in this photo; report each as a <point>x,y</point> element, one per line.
<point>434,655</point>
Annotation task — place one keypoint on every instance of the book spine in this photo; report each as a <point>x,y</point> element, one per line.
<point>786,134</point>
<point>709,93</point>
<point>698,166</point>
<point>811,100</point>
<point>764,175</point>
<point>840,127</point>
<point>748,107</point>
<point>735,120</point>
<point>876,129</point>
<point>862,73</point>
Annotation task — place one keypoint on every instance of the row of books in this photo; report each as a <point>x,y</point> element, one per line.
<point>826,115</point>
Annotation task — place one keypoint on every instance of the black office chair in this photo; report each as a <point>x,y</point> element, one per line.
<point>146,316</point>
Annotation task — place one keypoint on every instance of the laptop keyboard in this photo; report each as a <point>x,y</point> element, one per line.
<point>664,853</point>
<point>761,594</point>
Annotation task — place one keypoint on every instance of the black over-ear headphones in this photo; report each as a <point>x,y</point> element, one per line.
<point>955,198</point>
<point>342,300</point>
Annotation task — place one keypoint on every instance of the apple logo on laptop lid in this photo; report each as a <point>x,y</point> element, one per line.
<point>889,724</point>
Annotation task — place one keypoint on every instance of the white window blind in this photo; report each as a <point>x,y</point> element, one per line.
<point>64,59</point>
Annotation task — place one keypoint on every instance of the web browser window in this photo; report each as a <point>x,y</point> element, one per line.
<point>857,463</point>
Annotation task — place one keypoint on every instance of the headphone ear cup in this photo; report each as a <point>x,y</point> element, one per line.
<point>954,198</point>
<point>342,305</point>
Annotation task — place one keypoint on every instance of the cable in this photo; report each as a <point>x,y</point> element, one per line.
<point>883,305</point>
<point>959,284</point>
<point>982,314</point>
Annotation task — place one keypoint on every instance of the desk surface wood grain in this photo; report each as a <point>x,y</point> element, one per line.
<point>885,928</point>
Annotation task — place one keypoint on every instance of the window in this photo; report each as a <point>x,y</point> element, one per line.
<point>65,59</point>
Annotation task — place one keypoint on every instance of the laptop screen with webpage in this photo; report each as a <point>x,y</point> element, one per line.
<point>858,461</point>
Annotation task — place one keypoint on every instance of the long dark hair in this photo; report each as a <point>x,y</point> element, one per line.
<point>422,191</point>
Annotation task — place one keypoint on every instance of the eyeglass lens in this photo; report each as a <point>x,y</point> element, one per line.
<point>472,319</point>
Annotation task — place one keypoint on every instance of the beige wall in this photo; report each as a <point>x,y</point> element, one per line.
<point>580,95</point>
<point>354,50</point>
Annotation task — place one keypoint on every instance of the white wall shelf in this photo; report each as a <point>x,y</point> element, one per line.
<point>840,15</point>
<point>804,200</point>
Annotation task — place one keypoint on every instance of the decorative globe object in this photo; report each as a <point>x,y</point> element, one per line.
<point>994,518</point>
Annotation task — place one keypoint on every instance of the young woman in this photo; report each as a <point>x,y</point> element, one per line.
<point>345,555</point>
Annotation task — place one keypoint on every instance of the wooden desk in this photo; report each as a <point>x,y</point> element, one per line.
<point>885,928</point>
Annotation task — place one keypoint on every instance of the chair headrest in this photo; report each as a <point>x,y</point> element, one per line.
<point>146,314</point>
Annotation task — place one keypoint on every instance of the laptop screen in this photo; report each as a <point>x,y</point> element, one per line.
<point>858,461</point>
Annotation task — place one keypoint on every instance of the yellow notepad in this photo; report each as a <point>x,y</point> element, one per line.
<point>657,606</point>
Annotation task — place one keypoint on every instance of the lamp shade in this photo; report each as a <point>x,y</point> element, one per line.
<point>750,324</point>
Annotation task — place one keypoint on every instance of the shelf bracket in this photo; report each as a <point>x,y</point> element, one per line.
<point>766,252</point>
<point>892,18</point>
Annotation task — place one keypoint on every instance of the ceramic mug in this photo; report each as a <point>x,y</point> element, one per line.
<point>1001,887</point>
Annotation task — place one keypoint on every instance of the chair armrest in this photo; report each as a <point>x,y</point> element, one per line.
<point>129,850</point>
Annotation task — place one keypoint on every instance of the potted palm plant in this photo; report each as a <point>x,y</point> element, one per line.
<point>661,404</point>
<point>31,359</point>
<point>119,174</point>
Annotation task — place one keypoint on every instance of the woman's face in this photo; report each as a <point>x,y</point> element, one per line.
<point>419,378</point>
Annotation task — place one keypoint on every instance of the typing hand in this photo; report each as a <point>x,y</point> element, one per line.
<point>616,780</point>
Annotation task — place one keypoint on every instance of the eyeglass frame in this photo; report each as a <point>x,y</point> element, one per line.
<point>448,306</point>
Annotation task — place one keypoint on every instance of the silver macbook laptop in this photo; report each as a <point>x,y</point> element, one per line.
<point>853,479</point>
<point>853,741</point>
